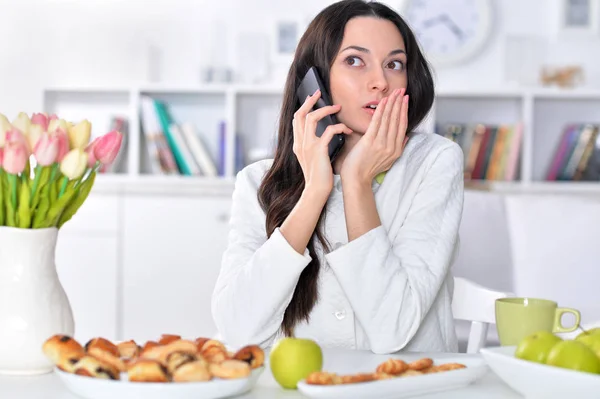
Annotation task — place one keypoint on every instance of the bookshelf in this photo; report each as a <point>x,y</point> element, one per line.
<point>251,112</point>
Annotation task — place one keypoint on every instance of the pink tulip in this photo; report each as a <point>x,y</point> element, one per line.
<point>63,143</point>
<point>40,119</point>
<point>15,157</point>
<point>1,155</point>
<point>90,151</point>
<point>14,135</point>
<point>46,150</point>
<point>108,146</point>
<point>52,117</point>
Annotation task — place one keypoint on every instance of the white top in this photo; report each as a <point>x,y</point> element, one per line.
<point>388,290</point>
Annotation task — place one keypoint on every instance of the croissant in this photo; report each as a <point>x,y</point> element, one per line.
<point>323,378</point>
<point>392,366</point>
<point>421,364</point>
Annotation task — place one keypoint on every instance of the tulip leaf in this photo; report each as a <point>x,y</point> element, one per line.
<point>83,191</point>
<point>43,181</point>
<point>42,209</point>
<point>10,210</point>
<point>24,212</point>
<point>57,208</point>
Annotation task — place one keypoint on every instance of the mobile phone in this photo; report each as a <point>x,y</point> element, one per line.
<point>309,84</point>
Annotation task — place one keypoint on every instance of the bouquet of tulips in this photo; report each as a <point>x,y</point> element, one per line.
<point>48,167</point>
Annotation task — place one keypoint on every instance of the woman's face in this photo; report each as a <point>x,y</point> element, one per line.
<point>370,65</point>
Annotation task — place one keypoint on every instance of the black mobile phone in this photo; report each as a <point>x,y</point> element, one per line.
<point>309,84</point>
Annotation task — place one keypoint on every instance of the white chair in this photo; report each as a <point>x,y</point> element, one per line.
<point>475,303</point>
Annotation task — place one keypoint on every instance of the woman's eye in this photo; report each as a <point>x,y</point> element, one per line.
<point>354,61</point>
<point>398,65</point>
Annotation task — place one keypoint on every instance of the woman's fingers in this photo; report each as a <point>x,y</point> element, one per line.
<point>313,118</point>
<point>382,132</point>
<point>376,120</point>
<point>403,125</point>
<point>394,126</point>
<point>340,128</point>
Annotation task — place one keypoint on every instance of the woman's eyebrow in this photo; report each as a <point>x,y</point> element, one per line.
<point>366,50</point>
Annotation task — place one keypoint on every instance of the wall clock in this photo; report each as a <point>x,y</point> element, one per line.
<point>449,31</point>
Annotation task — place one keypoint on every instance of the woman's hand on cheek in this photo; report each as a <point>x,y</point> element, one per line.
<point>383,142</point>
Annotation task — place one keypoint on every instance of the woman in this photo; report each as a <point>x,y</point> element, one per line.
<point>327,251</point>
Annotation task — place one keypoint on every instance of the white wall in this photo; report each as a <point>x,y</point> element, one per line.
<point>60,42</point>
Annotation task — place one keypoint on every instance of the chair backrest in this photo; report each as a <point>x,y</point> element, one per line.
<point>475,303</point>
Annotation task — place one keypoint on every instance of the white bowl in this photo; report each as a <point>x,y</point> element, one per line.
<point>535,380</point>
<point>96,388</point>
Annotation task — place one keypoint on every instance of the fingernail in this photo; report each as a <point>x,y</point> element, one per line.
<point>406,98</point>
<point>316,91</point>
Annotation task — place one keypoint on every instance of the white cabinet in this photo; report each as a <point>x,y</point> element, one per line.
<point>171,260</point>
<point>87,262</point>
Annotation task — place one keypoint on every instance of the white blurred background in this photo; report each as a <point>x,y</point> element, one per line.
<point>142,255</point>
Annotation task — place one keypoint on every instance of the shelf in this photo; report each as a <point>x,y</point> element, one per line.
<point>250,115</point>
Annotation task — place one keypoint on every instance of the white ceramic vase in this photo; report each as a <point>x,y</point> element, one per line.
<point>33,303</point>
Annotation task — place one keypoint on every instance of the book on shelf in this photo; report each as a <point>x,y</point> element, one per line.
<point>577,154</point>
<point>175,147</point>
<point>491,152</point>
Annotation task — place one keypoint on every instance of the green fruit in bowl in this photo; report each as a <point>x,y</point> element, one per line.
<point>593,331</point>
<point>592,341</point>
<point>536,347</point>
<point>293,359</point>
<point>574,355</point>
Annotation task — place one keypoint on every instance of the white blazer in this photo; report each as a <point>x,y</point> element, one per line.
<point>388,290</point>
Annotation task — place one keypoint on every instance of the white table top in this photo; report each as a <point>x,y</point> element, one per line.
<point>48,386</point>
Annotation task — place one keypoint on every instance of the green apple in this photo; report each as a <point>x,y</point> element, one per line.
<point>574,355</point>
<point>536,347</point>
<point>592,341</point>
<point>593,331</point>
<point>292,359</point>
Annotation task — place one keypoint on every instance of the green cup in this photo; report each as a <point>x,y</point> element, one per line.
<point>516,318</point>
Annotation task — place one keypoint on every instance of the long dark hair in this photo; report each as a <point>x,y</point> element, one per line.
<point>283,184</point>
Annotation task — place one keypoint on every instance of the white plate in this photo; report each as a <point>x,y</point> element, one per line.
<point>534,380</point>
<point>96,388</point>
<point>403,387</point>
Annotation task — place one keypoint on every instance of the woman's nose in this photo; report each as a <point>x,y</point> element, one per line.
<point>378,81</point>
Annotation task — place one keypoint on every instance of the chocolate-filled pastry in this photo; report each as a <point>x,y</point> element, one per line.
<point>192,372</point>
<point>251,354</point>
<point>230,369</point>
<point>155,352</point>
<point>148,345</point>
<point>89,366</point>
<point>213,343</point>
<point>68,362</point>
<point>146,370</point>
<point>180,345</point>
<point>102,344</point>
<point>129,350</point>
<point>214,354</point>
<point>58,346</point>
<point>107,357</point>
<point>200,343</point>
<point>168,338</point>
<point>177,359</point>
